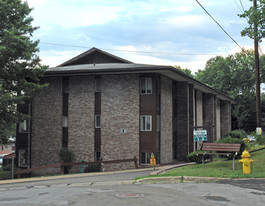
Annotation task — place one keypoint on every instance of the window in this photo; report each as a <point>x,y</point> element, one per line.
<point>146,85</point>
<point>145,158</point>
<point>65,121</point>
<point>22,158</point>
<point>97,85</point>
<point>97,121</point>
<point>146,123</point>
<point>23,126</point>
<point>158,125</point>
<point>97,156</point>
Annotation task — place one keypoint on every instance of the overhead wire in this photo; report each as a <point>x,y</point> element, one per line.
<point>238,6</point>
<point>242,5</point>
<point>137,51</point>
<point>219,25</point>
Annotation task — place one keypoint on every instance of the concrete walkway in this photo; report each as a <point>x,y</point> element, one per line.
<point>158,170</point>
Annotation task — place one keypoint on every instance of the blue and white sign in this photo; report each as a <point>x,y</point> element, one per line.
<point>200,135</point>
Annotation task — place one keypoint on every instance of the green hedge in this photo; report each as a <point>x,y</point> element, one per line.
<point>193,157</point>
<point>230,139</point>
<point>239,134</point>
<point>92,168</point>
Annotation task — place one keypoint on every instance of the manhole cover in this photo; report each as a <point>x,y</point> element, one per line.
<point>216,198</point>
<point>129,195</point>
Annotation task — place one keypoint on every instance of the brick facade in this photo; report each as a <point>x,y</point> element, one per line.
<point>47,125</point>
<point>119,110</point>
<point>81,117</point>
<point>63,114</point>
<point>166,150</point>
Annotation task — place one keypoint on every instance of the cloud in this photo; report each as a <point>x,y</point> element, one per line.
<point>172,31</point>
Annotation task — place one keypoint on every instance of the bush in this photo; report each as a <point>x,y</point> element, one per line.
<point>66,155</point>
<point>7,168</point>
<point>193,157</point>
<point>230,139</point>
<point>260,139</point>
<point>239,134</point>
<point>92,168</point>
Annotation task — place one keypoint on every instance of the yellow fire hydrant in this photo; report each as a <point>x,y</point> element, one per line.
<point>246,162</point>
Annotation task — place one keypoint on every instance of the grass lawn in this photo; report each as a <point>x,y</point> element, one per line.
<point>222,168</point>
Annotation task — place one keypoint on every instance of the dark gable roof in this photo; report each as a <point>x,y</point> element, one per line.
<point>120,66</point>
<point>94,56</point>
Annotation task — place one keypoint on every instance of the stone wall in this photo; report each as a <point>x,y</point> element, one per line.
<point>81,117</point>
<point>218,120</point>
<point>166,142</point>
<point>120,119</point>
<point>209,116</point>
<point>47,125</point>
<point>225,116</point>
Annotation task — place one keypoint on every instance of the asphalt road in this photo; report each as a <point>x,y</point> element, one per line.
<point>117,189</point>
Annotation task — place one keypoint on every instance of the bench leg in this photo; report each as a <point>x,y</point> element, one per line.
<point>203,164</point>
<point>234,162</point>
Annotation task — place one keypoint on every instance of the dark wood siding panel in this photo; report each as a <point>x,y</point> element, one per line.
<point>96,58</point>
<point>150,105</point>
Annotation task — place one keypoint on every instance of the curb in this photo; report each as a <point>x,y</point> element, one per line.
<point>34,179</point>
<point>166,168</point>
<point>179,179</point>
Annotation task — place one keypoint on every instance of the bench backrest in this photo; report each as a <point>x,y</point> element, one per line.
<point>224,147</point>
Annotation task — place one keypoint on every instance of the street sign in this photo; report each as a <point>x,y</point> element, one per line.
<point>200,135</point>
<point>259,131</point>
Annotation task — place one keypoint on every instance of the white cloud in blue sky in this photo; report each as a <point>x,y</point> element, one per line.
<point>172,31</point>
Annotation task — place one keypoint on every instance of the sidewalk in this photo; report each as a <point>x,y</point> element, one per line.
<point>158,170</point>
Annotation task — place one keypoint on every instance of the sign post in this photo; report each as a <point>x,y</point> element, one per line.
<point>258,131</point>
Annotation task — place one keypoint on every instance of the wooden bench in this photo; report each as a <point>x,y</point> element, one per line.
<point>224,149</point>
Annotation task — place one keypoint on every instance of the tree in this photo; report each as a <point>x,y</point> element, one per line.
<point>186,71</point>
<point>256,31</point>
<point>234,76</point>
<point>20,66</point>
<point>255,16</point>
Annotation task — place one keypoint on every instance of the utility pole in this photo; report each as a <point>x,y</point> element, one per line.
<point>257,75</point>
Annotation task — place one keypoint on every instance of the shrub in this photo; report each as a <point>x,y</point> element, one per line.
<point>92,168</point>
<point>193,157</point>
<point>7,168</point>
<point>239,134</point>
<point>66,155</point>
<point>230,139</point>
<point>260,139</point>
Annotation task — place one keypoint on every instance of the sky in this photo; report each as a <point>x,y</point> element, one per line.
<point>161,32</point>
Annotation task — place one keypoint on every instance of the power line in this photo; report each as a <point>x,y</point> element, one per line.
<point>219,25</point>
<point>121,50</point>
<point>238,6</point>
<point>242,5</point>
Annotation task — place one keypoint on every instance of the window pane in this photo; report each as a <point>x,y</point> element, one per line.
<point>65,121</point>
<point>148,123</point>
<point>23,126</point>
<point>143,158</point>
<point>97,85</point>
<point>149,86</point>
<point>142,86</point>
<point>97,121</point>
<point>148,158</point>
<point>157,123</point>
